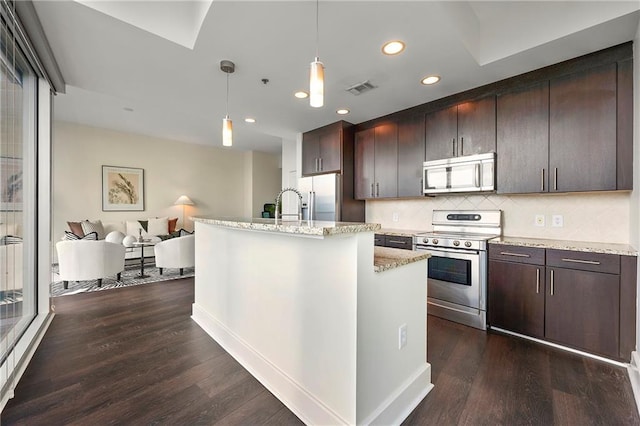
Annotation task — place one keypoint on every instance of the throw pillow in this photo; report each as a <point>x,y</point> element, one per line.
<point>70,236</point>
<point>173,222</point>
<point>133,227</point>
<point>89,227</point>
<point>114,237</point>
<point>76,228</point>
<point>184,232</point>
<point>158,226</point>
<point>128,241</point>
<point>10,239</point>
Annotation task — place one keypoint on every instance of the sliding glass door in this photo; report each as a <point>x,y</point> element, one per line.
<point>18,173</point>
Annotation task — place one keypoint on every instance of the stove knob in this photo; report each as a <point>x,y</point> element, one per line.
<point>456,243</point>
<point>425,240</point>
<point>467,244</point>
<point>434,241</point>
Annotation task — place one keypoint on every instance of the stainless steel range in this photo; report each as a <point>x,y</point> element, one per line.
<point>457,273</point>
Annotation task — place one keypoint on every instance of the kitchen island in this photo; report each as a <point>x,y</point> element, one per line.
<point>333,328</point>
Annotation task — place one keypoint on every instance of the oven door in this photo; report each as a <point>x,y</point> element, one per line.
<point>456,276</point>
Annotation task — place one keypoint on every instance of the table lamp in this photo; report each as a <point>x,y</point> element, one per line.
<point>183,201</point>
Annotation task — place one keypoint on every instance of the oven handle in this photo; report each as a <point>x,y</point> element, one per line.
<point>435,250</point>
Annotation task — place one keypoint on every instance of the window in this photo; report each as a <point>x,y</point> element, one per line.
<point>18,173</point>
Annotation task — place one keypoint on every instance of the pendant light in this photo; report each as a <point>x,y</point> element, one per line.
<point>227,67</point>
<point>316,80</point>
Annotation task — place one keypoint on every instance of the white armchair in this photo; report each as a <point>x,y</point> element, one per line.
<point>89,260</point>
<point>176,253</point>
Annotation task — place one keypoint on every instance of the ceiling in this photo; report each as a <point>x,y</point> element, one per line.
<point>153,67</point>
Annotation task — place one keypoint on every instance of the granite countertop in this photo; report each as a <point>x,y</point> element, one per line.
<point>400,232</point>
<point>302,227</point>
<point>385,258</point>
<point>606,248</point>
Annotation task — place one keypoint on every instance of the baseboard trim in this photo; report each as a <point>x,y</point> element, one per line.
<point>634,377</point>
<point>397,407</point>
<point>301,402</point>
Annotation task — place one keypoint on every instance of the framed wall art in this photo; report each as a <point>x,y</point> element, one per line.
<point>11,190</point>
<point>122,189</point>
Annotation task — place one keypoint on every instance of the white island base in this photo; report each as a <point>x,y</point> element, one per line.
<point>313,321</point>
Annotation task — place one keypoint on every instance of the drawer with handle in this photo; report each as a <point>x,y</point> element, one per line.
<point>399,242</point>
<point>517,254</point>
<point>584,261</point>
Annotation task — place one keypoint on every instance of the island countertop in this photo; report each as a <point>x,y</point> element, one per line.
<point>386,258</point>
<point>299,227</point>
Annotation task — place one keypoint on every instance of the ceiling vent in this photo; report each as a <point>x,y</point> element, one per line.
<point>359,88</point>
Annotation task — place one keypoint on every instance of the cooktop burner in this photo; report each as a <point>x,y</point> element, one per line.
<point>464,229</point>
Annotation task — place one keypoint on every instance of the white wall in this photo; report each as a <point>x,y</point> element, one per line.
<point>214,178</point>
<point>266,180</point>
<point>290,173</point>
<point>602,217</point>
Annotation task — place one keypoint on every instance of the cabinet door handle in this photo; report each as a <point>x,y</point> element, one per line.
<point>588,262</point>
<point>421,186</point>
<point>508,253</point>
<point>397,242</point>
<point>321,165</point>
<point>377,189</point>
<point>555,178</point>
<point>477,182</point>
<point>537,280</point>
<point>453,147</point>
<point>542,179</point>
<point>371,190</point>
<point>552,282</point>
<point>316,167</point>
<point>462,146</point>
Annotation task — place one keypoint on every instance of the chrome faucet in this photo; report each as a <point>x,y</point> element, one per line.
<point>279,197</point>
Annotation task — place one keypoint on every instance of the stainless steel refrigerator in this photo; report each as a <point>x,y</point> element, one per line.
<point>321,197</point>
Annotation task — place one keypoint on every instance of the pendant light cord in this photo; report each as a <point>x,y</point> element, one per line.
<point>227,95</point>
<point>317,29</point>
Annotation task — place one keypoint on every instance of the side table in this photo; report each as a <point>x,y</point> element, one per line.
<point>142,245</point>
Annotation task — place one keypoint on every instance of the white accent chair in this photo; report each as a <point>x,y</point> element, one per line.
<point>89,260</point>
<point>176,253</point>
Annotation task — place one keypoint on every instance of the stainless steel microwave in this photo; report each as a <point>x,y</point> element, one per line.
<point>470,173</point>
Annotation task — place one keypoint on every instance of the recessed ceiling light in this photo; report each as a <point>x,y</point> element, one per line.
<point>343,111</point>
<point>250,120</point>
<point>393,47</point>
<point>301,94</point>
<point>430,79</point>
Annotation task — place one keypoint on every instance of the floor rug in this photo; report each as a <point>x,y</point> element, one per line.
<point>128,278</point>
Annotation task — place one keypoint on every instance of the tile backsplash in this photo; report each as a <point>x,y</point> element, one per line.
<point>601,217</point>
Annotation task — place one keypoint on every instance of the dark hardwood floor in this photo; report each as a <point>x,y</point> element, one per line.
<point>134,356</point>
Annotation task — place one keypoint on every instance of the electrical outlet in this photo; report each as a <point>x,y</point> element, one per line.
<point>539,220</point>
<point>557,220</point>
<point>402,336</point>
<point>395,216</point>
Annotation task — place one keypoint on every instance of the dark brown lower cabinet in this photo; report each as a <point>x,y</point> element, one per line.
<point>582,300</point>
<point>516,297</point>
<point>583,309</point>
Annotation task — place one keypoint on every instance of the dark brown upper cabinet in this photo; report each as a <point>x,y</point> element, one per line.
<point>322,149</point>
<point>376,162</point>
<point>522,141</point>
<point>583,131</point>
<point>410,156</point>
<point>464,129</point>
